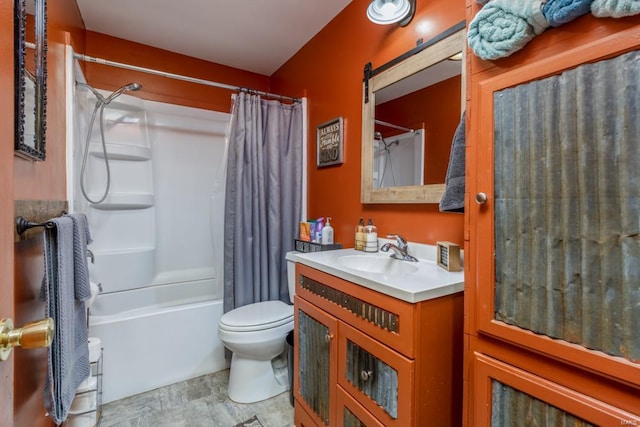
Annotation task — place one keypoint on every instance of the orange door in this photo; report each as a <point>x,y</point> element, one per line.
<point>21,402</point>
<point>6,201</point>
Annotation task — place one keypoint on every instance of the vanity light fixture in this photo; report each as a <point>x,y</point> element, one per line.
<point>386,12</point>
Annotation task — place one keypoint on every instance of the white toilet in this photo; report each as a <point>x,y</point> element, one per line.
<point>256,333</point>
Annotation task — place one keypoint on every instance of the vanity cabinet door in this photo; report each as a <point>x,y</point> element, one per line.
<point>379,378</point>
<point>352,414</point>
<point>316,353</point>
<point>511,396</point>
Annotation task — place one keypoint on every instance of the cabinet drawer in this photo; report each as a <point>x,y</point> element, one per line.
<point>385,318</point>
<point>352,414</point>
<point>504,393</point>
<point>380,379</point>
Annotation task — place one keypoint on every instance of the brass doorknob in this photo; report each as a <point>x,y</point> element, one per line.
<point>33,335</point>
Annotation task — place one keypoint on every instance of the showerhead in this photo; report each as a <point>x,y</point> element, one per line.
<point>130,87</point>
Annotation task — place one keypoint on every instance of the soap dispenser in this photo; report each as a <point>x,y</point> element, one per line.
<point>371,237</point>
<point>327,233</point>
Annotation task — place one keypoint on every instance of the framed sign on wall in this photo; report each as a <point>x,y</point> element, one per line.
<point>330,142</point>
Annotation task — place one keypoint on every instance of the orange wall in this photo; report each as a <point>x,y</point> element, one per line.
<point>328,70</point>
<point>46,180</point>
<point>159,88</point>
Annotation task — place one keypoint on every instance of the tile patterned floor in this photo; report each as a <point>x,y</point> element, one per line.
<point>199,402</point>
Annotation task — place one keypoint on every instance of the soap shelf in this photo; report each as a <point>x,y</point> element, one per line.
<point>304,246</point>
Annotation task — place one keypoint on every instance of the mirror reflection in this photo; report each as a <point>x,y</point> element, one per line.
<point>410,118</point>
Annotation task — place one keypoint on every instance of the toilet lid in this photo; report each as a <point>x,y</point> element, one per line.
<point>257,316</point>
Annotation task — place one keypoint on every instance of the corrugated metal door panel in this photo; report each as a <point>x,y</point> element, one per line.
<point>567,205</point>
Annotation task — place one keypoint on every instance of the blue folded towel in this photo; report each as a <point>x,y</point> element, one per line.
<point>559,12</point>
<point>503,27</point>
<point>453,197</point>
<point>68,356</point>
<point>615,8</point>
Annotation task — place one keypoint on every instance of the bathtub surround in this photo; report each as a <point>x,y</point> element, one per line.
<point>263,199</point>
<point>155,269</point>
<point>65,288</point>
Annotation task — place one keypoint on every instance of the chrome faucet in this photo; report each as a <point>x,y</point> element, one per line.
<point>400,249</point>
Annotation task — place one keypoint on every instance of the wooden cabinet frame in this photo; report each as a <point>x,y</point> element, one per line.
<point>346,401</point>
<point>587,408</point>
<point>483,227</point>
<point>403,366</point>
<point>332,324</point>
<point>426,349</point>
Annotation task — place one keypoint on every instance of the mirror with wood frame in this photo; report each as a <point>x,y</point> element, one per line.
<point>411,108</point>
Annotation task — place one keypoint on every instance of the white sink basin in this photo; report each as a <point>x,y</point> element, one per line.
<point>408,281</point>
<point>377,264</point>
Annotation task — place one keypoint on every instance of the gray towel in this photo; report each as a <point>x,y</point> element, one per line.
<point>68,356</point>
<point>81,238</point>
<point>453,198</point>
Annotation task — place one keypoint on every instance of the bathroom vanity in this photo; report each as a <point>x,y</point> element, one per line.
<point>378,341</point>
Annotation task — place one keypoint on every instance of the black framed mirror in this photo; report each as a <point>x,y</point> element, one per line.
<point>30,30</point>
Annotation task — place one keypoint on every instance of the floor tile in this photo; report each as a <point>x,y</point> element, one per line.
<point>198,402</point>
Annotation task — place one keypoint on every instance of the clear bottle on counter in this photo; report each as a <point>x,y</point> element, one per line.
<point>327,233</point>
<point>371,237</point>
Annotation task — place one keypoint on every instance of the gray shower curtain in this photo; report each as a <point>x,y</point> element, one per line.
<point>263,199</point>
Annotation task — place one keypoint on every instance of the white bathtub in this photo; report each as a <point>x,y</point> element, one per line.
<point>156,336</point>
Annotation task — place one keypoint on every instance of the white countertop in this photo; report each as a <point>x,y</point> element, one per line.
<point>428,281</point>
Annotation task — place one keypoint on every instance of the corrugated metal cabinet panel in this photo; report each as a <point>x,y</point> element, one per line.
<point>507,395</point>
<point>558,252</point>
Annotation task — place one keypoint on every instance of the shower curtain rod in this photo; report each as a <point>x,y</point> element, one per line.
<point>391,125</point>
<point>101,61</point>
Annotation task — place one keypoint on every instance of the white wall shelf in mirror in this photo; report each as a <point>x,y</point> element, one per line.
<point>410,110</point>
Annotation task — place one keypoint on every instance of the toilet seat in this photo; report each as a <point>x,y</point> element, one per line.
<point>257,317</point>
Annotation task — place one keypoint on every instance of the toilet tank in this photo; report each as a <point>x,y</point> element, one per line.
<point>291,273</point>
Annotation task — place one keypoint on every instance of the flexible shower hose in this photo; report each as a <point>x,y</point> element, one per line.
<point>99,106</point>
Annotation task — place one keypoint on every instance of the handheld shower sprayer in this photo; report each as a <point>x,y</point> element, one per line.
<point>128,87</point>
<point>100,105</point>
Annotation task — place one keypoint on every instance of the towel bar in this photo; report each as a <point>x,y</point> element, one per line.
<point>23,224</point>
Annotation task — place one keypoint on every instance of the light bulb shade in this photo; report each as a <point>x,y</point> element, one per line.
<point>386,12</point>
